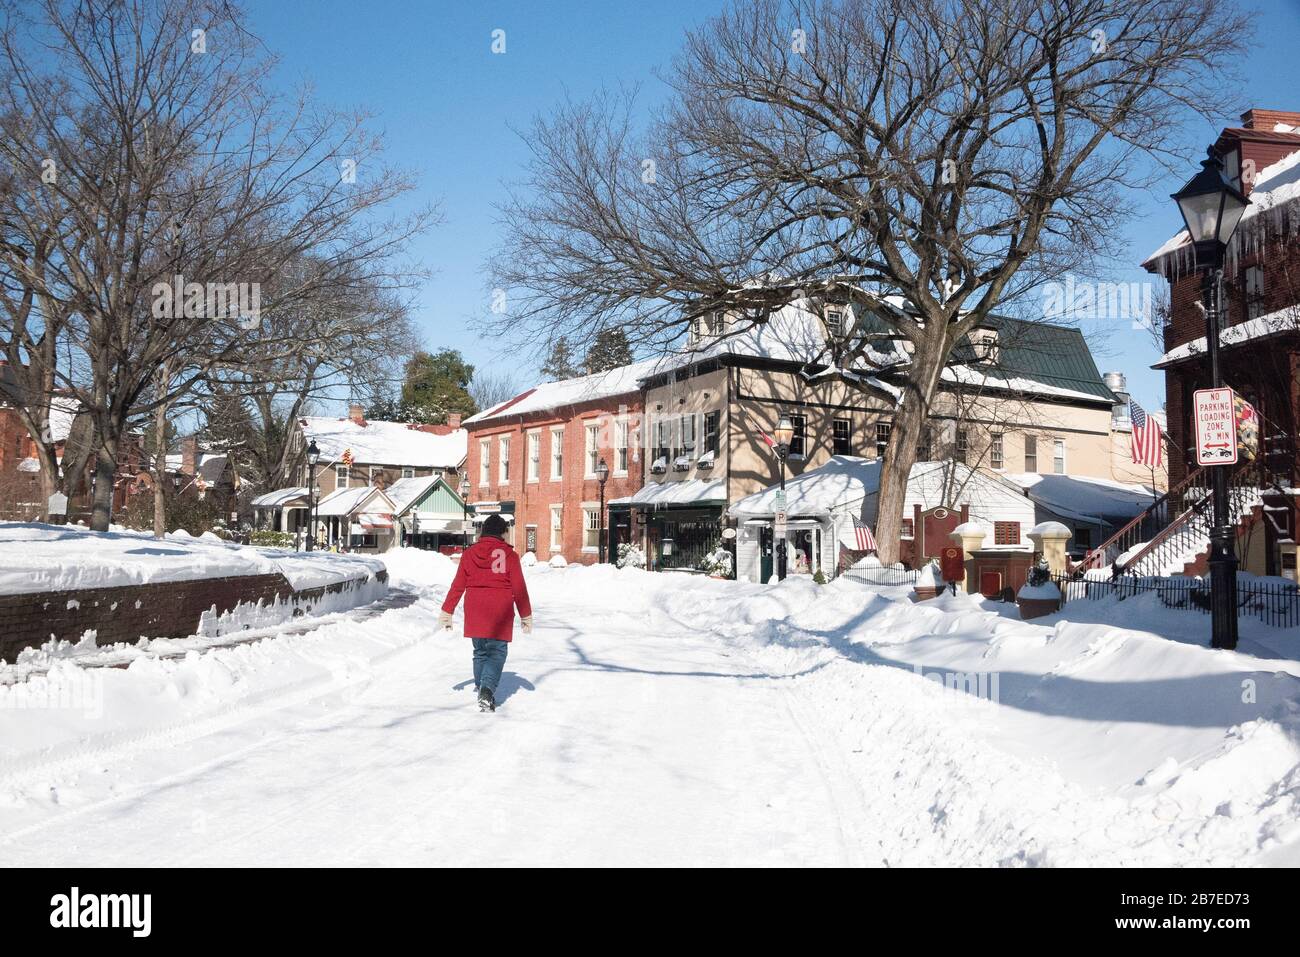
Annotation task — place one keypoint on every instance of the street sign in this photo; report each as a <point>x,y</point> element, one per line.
<point>1215,421</point>
<point>952,563</point>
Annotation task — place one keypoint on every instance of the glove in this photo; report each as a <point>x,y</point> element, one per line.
<point>444,620</point>
<point>528,624</point>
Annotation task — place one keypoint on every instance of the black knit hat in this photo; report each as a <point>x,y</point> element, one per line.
<point>495,526</point>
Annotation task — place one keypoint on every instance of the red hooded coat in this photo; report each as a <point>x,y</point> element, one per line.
<point>493,582</point>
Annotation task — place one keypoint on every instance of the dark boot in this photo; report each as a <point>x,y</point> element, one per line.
<point>485,700</point>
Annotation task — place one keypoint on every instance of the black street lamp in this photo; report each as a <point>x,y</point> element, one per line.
<point>313,456</point>
<point>783,436</point>
<point>1212,207</point>
<point>464,504</point>
<point>602,476</point>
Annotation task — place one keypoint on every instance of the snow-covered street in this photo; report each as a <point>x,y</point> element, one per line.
<point>661,719</point>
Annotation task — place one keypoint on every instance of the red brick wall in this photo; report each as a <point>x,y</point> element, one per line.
<point>129,612</point>
<point>533,500</point>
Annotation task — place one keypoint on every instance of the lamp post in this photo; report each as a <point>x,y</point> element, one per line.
<point>313,456</point>
<point>1212,207</point>
<point>602,476</point>
<point>783,435</point>
<point>464,504</point>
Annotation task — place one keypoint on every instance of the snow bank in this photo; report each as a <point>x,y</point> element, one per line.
<point>41,557</point>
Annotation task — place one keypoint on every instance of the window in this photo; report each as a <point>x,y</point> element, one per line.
<point>1006,533</point>
<point>1031,453</point>
<point>687,426</point>
<point>503,459</point>
<point>591,528</point>
<point>342,474</point>
<point>799,443</point>
<point>408,473</point>
<point>995,450</point>
<point>882,438</point>
<point>1058,456</point>
<point>1254,291</point>
<point>1083,537</point>
<point>557,528</point>
<point>662,451</point>
<point>534,456</point>
<point>620,447</point>
<point>557,454</point>
<point>842,437</point>
<point>484,461</point>
<point>376,471</point>
<point>908,530</point>
<point>835,323</point>
<point>591,447</point>
<point>711,420</point>
<point>963,445</point>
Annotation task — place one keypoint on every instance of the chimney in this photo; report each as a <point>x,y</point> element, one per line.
<point>357,413</point>
<point>189,455</point>
<point>453,420</point>
<point>1267,120</point>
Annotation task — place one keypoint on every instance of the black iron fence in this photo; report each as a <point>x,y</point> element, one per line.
<point>1272,602</point>
<point>882,576</point>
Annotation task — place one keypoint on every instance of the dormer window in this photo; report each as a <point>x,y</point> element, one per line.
<point>708,325</point>
<point>835,323</point>
<point>984,345</point>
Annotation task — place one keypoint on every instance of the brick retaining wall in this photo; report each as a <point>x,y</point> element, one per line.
<point>161,610</point>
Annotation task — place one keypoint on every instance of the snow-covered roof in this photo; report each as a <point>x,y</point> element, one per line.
<point>1086,498</point>
<point>1286,319</point>
<point>689,492</point>
<point>554,395</point>
<point>281,496</point>
<point>405,491</point>
<point>384,443</point>
<point>348,501</point>
<point>1272,199</point>
<point>843,480</point>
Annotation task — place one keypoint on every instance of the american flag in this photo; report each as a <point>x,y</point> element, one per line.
<point>1146,442</point>
<point>862,533</point>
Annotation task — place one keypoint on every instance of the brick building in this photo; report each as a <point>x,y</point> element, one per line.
<point>1260,337</point>
<point>533,459</point>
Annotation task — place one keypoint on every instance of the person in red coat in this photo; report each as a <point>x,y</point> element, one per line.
<point>492,581</point>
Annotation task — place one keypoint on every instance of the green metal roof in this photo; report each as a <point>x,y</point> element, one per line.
<point>1051,355</point>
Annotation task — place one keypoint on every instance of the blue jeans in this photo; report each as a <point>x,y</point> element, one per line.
<point>489,659</point>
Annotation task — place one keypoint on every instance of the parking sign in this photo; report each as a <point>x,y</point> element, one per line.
<point>1216,427</point>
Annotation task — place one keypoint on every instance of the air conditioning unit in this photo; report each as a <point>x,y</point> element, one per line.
<point>659,466</point>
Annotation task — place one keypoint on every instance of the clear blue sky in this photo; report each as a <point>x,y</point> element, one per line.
<point>447,106</point>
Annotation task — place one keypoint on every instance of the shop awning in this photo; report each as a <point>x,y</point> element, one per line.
<point>692,492</point>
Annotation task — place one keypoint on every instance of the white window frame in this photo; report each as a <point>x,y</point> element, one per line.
<point>534,455</point>
<point>835,322</point>
<point>408,472</point>
<point>621,456</point>
<point>1058,456</point>
<point>997,451</point>
<point>342,475</point>
<point>484,462</point>
<point>503,459</point>
<point>590,447</point>
<point>591,526</point>
<point>687,430</point>
<point>557,453</point>
<point>557,528</point>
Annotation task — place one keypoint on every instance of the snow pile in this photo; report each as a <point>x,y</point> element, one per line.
<point>64,557</point>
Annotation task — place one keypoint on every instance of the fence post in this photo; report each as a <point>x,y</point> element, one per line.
<point>970,536</point>
<point>1049,540</point>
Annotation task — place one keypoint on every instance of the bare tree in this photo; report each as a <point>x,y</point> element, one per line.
<point>957,153</point>
<point>491,387</point>
<point>163,184</point>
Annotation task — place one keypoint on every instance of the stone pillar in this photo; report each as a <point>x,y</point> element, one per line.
<point>1049,540</point>
<point>970,536</point>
